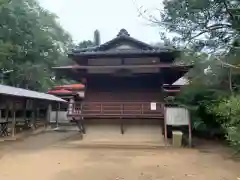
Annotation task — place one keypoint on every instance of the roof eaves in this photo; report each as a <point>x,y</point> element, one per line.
<point>13,91</point>
<point>124,52</point>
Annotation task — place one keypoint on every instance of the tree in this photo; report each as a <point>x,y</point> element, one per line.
<point>85,44</point>
<point>88,43</point>
<point>31,42</point>
<point>214,24</point>
<point>210,27</point>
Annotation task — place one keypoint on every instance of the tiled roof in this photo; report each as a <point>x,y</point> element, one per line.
<point>125,53</point>
<point>71,87</point>
<point>123,36</point>
<point>166,65</point>
<point>59,91</point>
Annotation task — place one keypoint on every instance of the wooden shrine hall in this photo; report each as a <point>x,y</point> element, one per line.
<point>123,78</point>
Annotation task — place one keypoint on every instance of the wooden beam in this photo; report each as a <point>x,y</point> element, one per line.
<point>80,56</point>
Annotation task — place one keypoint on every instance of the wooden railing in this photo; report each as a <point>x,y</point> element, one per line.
<point>116,109</point>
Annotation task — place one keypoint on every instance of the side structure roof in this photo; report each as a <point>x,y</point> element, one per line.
<point>13,91</point>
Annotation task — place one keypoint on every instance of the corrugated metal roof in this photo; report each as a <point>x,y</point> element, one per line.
<point>13,91</point>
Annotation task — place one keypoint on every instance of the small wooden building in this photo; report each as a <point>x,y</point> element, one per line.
<point>124,78</point>
<point>22,108</point>
<point>73,94</point>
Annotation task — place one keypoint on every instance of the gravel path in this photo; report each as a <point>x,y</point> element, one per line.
<point>44,157</point>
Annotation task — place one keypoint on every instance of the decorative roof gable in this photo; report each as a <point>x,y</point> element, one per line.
<point>123,41</point>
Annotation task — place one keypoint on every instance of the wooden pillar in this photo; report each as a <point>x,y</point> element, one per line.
<point>25,110</point>
<point>122,61</point>
<point>189,130</point>
<point>57,113</point>
<point>38,115</point>
<point>33,119</point>
<point>122,129</point>
<point>33,115</point>
<point>165,125</point>
<point>83,125</point>
<point>48,118</point>
<point>13,118</point>
<point>7,112</point>
<point>82,119</point>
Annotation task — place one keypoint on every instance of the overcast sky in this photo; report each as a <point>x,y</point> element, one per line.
<point>81,17</point>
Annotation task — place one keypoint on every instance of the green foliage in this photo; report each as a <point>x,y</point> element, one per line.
<point>196,97</point>
<point>228,113</point>
<point>31,42</point>
<point>86,44</point>
<point>207,23</point>
<point>209,31</point>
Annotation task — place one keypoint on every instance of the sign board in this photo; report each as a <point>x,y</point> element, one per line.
<point>81,94</point>
<point>62,116</point>
<point>177,116</point>
<point>153,106</point>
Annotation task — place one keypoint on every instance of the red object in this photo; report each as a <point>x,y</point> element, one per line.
<point>71,86</point>
<point>172,90</point>
<point>59,91</point>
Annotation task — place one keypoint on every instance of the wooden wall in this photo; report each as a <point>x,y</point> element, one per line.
<point>120,89</point>
<point>141,95</point>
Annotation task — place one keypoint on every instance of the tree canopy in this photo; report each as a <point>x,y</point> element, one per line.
<point>31,42</point>
<point>214,24</point>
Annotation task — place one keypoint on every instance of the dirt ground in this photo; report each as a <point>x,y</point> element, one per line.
<point>45,157</point>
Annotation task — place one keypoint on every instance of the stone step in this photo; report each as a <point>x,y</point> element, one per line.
<point>114,145</point>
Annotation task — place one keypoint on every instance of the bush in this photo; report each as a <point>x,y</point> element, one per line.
<point>196,98</point>
<point>228,113</point>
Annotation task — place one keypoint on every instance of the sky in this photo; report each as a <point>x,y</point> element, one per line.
<point>81,17</point>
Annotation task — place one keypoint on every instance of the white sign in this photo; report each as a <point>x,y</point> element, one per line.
<point>153,106</point>
<point>81,94</point>
<point>177,116</point>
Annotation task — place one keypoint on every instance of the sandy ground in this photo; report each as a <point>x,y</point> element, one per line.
<point>45,157</point>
